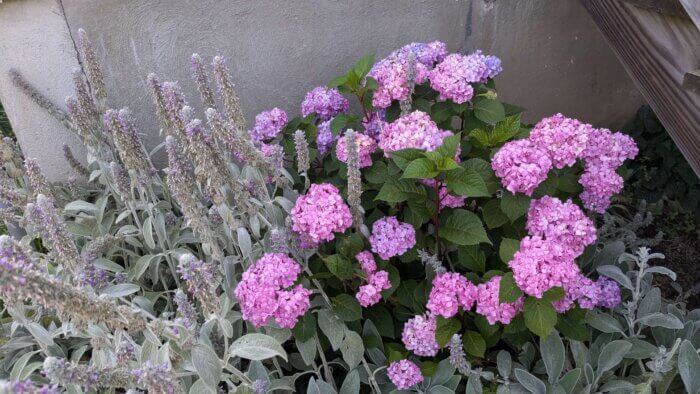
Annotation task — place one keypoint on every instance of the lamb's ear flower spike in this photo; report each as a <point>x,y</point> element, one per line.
<point>39,98</point>
<point>37,180</point>
<point>202,280</point>
<point>74,163</point>
<point>121,180</point>
<point>354,178</point>
<point>301,146</point>
<point>92,66</point>
<point>199,74</point>
<point>232,103</point>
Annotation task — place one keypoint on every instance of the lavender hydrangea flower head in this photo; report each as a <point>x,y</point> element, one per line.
<point>582,290</point>
<point>324,102</point>
<point>404,374</point>
<point>489,306</point>
<point>418,335</point>
<point>453,77</point>
<point>365,145</point>
<point>561,222</point>
<point>367,263</point>
<point>599,185</point>
<point>610,296</point>
<point>415,130</point>
<point>373,123</point>
<point>320,213</point>
<point>391,238</point>
<point>268,124</point>
<point>264,292</point>
<point>325,138</point>
<point>370,293</point>
<point>403,68</point>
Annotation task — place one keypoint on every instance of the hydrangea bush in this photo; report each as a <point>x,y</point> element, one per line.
<point>418,242</point>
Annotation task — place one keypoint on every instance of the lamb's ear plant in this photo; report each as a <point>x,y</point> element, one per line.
<point>433,244</point>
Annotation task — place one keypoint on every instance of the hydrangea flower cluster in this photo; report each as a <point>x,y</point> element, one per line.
<point>521,165</point>
<point>391,238</point>
<point>262,291</point>
<point>450,292</point>
<point>268,124</point>
<point>320,213</point>
<point>489,306</point>
<point>324,102</point>
<point>325,138</point>
<point>452,78</point>
<point>403,67</point>
<point>373,123</point>
<point>415,130</point>
<point>561,222</point>
<point>558,141</point>
<point>404,374</point>
<point>419,335</point>
<point>371,292</point>
<point>559,232</point>
<point>365,145</point>
<point>589,294</point>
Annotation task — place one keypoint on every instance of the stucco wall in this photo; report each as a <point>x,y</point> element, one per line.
<point>554,58</point>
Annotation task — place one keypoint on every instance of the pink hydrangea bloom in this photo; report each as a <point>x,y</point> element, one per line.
<point>609,292</point>
<point>561,222</point>
<point>450,292</point>
<point>599,185</point>
<point>415,130</point>
<point>393,73</point>
<point>366,262</point>
<point>563,138</point>
<point>489,306</point>
<point>262,291</point>
<point>419,335</point>
<point>404,374</point>
<point>370,293</point>
<point>540,265</point>
<point>320,213</point>
<point>447,200</point>
<point>268,124</point>
<point>325,102</point>
<point>452,78</point>
<point>521,165</point>
<point>391,238</point>
<point>365,145</point>
<point>608,149</point>
<point>325,138</point>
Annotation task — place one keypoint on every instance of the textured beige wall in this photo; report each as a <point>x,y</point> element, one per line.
<point>554,58</point>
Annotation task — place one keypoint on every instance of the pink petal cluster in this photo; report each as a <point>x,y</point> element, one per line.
<point>366,146</point>
<point>418,335</point>
<point>415,130</point>
<point>540,265</point>
<point>320,213</point>
<point>391,238</point>
<point>521,165</point>
<point>563,138</point>
<point>489,306</point>
<point>262,295</point>
<point>610,296</point>
<point>452,78</point>
<point>562,222</point>
<point>446,199</point>
<point>324,102</point>
<point>393,73</point>
<point>404,374</point>
<point>371,293</point>
<point>268,124</point>
<point>450,292</point>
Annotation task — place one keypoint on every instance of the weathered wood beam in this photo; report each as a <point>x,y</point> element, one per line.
<point>657,50</point>
<point>667,7</point>
<point>691,81</point>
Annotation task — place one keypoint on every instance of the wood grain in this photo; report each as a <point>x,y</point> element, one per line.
<point>657,51</point>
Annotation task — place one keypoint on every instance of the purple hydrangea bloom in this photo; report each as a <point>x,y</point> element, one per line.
<point>268,124</point>
<point>419,335</point>
<point>325,138</point>
<point>415,130</point>
<point>561,222</point>
<point>452,78</point>
<point>610,296</point>
<point>324,102</point>
<point>489,306</point>
<point>521,165</point>
<point>450,292</point>
<point>404,374</point>
<point>320,213</point>
<point>391,238</point>
<point>366,146</point>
